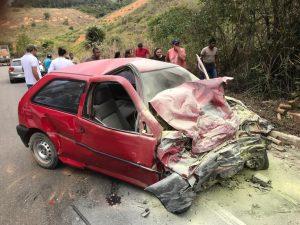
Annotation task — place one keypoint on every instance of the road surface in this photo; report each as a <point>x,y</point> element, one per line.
<point>32,195</point>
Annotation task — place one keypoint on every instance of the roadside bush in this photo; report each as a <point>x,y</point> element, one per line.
<point>94,35</point>
<point>47,45</point>
<point>71,28</point>
<point>22,41</point>
<point>66,22</point>
<point>33,24</point>
<point>46,15</point>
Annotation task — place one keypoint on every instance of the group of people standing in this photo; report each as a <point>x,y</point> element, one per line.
<point>175,55</point>
<point>31,67</point>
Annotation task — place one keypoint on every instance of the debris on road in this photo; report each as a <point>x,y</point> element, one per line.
<point>145,213</point>
<point>112,198</point>
<point>261,180</point>
<point>276,147</point>
<point>289,109</point>
<point>286,138</point>
<point>82,217</point>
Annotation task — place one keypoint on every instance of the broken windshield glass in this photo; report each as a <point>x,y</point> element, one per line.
<point>156,81</point>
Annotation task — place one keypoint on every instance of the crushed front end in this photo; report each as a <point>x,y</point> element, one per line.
<point>208,137</point>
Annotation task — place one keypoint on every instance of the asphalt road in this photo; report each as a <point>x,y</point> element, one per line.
<point>32,195</point>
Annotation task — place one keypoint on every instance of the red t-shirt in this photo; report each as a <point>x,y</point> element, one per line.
<point>142,52</point>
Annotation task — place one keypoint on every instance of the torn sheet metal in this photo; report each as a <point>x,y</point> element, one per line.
<point>225,137</point>
<point>174,192</point>
<point>199,110</point>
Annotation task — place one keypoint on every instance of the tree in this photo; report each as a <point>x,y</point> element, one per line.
<point>22,41</point>
<point>94,35</point>
<point>46,15</point>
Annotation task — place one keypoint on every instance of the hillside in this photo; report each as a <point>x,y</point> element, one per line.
<point>61,28</point>
<point>97,8</point>
<point>129,25</point>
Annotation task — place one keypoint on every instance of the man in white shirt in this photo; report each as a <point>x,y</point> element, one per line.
<point>60,62</point>
<point>209,56</point>
<point>30,66</point>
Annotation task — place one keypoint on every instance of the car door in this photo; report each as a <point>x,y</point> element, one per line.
<point>54,109</point>
<point>114,127</point>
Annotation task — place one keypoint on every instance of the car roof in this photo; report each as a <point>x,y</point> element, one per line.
<point>18,59</point>
<point>102,67</point>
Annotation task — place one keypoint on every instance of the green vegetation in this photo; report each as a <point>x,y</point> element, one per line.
<point>94,35</point>
<point>259,42</point>
<point>22,41</point>
<point>46,15</point>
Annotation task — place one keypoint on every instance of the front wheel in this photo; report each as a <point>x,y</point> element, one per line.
<point>43,151</point>
<point>259,161</point>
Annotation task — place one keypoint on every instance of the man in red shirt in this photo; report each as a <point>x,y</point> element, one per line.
<point>176,55</point>
<point>141,51</point>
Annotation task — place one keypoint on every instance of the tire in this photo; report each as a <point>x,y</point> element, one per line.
<point>43,151</point>
<point>11,81</point>
<point>259,162</point>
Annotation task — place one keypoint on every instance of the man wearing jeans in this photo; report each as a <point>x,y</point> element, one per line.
<point>30,66</point>
<point>209,56</point>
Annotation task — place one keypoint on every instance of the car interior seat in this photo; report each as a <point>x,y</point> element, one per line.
<point>106,110</point>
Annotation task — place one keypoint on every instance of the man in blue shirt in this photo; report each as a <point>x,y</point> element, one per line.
<point>47,62</point>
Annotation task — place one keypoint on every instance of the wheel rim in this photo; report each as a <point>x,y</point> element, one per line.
<point>44,151</point>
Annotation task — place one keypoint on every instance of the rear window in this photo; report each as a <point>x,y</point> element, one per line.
<point>16,63</point>
<point>63,95</point>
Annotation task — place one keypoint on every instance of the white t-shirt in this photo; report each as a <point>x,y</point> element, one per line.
<point>28,61</point>
<point>59,63</point>
<point>209,55</point>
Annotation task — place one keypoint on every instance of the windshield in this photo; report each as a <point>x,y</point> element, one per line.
<point>156,81</point>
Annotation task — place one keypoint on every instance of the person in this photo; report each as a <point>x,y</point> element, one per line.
<point>141,51</point>
<point>47,62</point>
<point>30,66</point>
<point>128,53</point>
<point>60,62</point>
<point>176,54</point>
<point>158,55</point>
<point>117,55</point>
<point>95,56</point>
<point>72,58</point>
<point>209,56</point>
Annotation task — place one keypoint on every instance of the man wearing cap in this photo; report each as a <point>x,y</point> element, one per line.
<point>209,56</point>
<point>176,54</point>
<point>30,66</point>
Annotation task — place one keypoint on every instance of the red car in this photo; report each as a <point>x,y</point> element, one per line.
<point>97,115</point>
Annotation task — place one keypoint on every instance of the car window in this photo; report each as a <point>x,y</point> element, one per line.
<point>16,63</point>
<point>63,95</point>
<point>109,104</point>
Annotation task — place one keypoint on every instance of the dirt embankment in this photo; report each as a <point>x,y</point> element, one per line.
<point>124,11</point>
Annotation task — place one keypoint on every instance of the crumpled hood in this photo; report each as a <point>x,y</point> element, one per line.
<point>198,110</point>
<point>211,138</point>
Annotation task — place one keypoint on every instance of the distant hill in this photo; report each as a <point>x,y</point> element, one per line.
<point>98,8</point>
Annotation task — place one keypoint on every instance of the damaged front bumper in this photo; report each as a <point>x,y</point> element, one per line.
<point>191,173</point>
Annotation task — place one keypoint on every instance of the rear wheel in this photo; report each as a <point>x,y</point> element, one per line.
<point>43,151</point>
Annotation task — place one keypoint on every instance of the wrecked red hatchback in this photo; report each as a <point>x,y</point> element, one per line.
<point>149,123</point>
